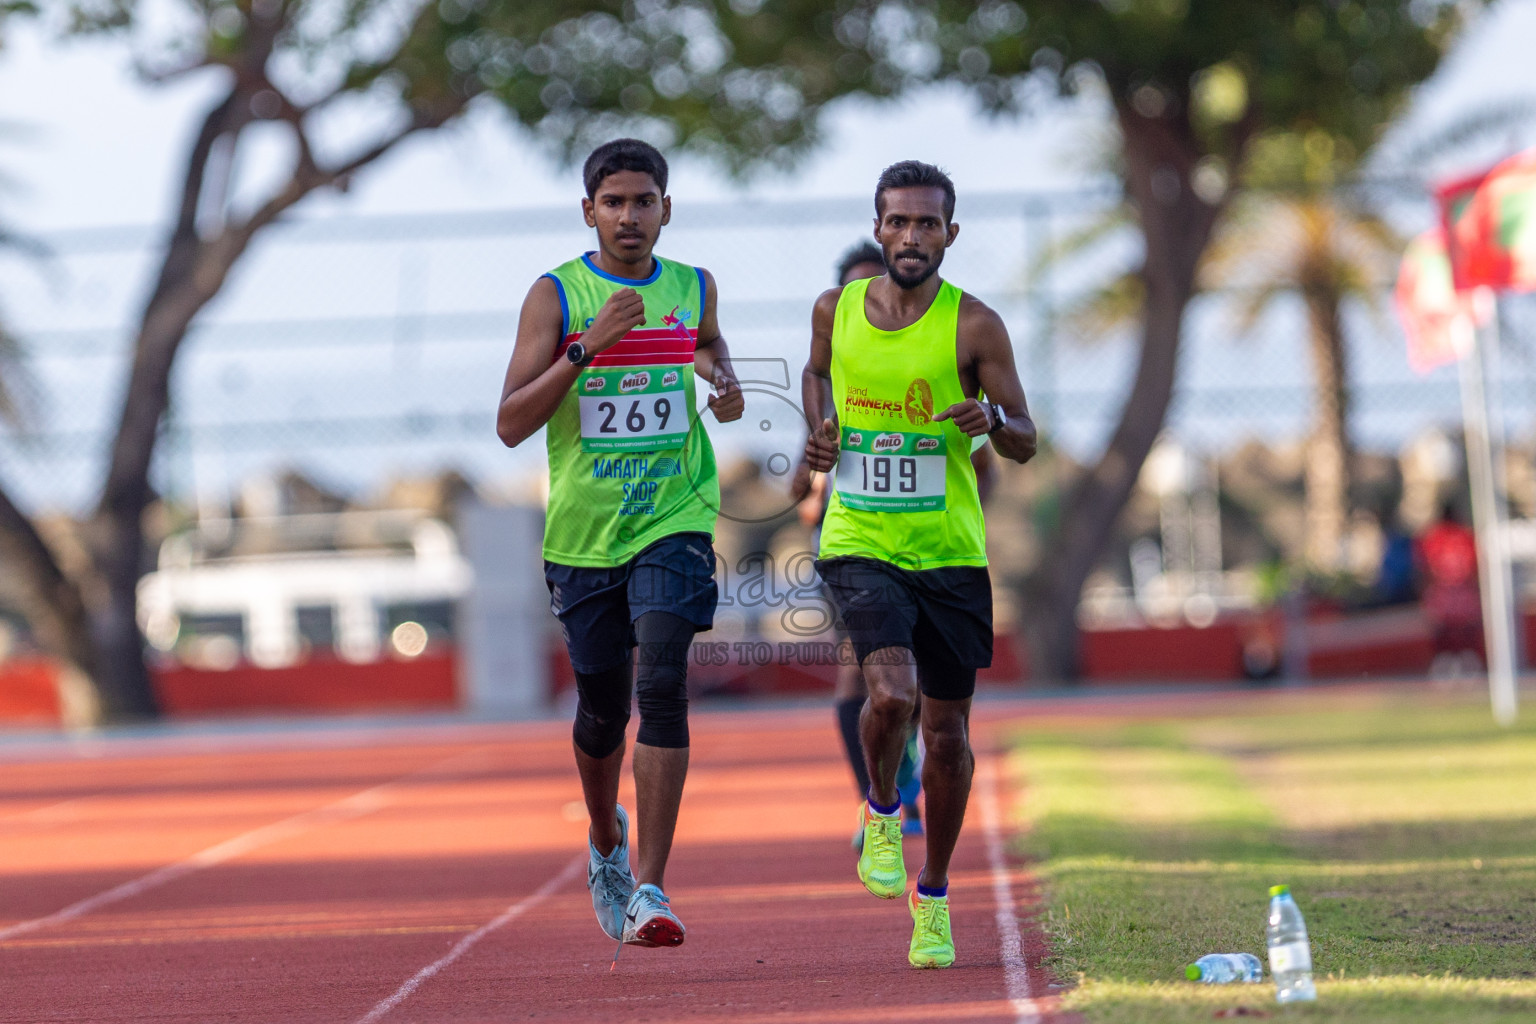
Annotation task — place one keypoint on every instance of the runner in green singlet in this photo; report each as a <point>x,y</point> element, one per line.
<point>607,348</point>
<point>891,396</point>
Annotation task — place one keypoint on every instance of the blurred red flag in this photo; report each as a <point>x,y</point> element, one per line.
<point>1436,317</point>
<point>1490,226</point>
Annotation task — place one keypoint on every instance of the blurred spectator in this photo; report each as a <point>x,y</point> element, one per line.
<point>1447,553</point>
<point>1395,578</point>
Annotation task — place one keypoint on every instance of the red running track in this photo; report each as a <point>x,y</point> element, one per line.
<point>435,874</point>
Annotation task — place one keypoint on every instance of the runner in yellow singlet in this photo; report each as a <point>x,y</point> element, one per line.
<point>891,397</point>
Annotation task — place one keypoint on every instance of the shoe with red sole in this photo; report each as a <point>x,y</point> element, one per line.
<point>649,921</point>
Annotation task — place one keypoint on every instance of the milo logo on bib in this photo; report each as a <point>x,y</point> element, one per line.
<point>892,472</point>
<point>635,382</point>
<point>595,384</point>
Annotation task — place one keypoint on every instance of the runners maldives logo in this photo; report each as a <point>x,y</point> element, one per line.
<point>595,383</point>
<point>919,403</point>
<point>887,443</point>
<point>634,382</point>
<point>927,444</point>
<point>860,400</point>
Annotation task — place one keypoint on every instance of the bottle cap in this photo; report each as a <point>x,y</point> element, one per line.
<point>1279,890</point>
<point>1192,972</point>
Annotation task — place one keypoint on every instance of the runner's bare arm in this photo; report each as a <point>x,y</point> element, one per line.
<point>712,359</point>
<point>821,444</point>
<point>986,366</point>
<point>536,381</point>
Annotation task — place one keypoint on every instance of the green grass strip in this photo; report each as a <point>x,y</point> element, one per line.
<point>1406,828</point>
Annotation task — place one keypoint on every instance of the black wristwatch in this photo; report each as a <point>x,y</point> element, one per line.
<point>576,352</point>
<point>999,418</point>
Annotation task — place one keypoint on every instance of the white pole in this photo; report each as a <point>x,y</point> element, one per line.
<point>1496,581</point>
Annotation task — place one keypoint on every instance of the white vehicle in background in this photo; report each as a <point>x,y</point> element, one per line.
<point>362,587</point>
<point>274,592</point>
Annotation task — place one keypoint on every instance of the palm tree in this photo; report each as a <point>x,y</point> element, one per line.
<point>1302,235</point>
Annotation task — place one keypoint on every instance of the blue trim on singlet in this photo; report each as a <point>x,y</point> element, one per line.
<point>586,258</point>
<point>702,290</point>
<point>565,309</point>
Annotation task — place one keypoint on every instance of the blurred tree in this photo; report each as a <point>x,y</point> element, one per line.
<point>342,84</point>
<point>1294,231</point>
<point>1194,85</point>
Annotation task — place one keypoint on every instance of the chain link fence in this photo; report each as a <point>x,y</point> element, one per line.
<point>359,350</point>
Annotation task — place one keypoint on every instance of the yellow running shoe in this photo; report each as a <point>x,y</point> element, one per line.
<point>932,945</point>
<point>881,868</point>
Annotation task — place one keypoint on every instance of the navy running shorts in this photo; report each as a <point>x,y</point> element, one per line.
<point>597,607</point>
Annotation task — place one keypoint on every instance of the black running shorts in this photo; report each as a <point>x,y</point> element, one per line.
<point>943,616</point>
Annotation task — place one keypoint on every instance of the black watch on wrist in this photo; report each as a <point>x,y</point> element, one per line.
<point>576,352</point>
<point>999,418</point>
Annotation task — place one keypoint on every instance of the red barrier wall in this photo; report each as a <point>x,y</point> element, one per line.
<point>427,682</point>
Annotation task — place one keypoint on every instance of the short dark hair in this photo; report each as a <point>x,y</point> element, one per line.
<point>915,174</point>
<point>624,155</point>
<point>864,252</point>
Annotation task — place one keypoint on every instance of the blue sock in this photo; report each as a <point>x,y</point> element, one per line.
<point>932,893</point>
<point>882,809</point>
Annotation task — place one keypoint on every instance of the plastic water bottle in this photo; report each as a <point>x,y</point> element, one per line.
<point>1290,954</point>
<point>1224,968</point>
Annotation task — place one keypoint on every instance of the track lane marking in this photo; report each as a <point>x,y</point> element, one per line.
<point>464,945</point>
<point>355,806</point>
<point>1010,938</point>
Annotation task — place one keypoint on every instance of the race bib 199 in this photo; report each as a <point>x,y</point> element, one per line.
<point>888,471</point>
<point>638,408</point>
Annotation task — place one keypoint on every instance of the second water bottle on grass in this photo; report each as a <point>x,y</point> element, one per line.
<point>1225,968</point>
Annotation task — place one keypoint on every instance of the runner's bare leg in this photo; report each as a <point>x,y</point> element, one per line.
<point>659,776</point>
<point>947,770</point>
<point>891,675</point>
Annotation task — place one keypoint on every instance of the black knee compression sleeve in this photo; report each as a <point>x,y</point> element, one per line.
<point>661,686</point>
<point>602,710</point>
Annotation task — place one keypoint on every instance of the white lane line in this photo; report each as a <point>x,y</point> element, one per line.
<point>354,806</point>
<point>464,945</point>
<point>1015,973</point>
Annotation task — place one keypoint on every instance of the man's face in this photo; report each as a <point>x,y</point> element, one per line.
<point>913,233</point>
<point>628,212</point>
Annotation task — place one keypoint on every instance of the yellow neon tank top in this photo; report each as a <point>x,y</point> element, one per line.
<point>905,490</point>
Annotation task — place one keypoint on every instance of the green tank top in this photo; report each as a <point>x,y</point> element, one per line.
<point>629,460</point>
<point>905,490</point>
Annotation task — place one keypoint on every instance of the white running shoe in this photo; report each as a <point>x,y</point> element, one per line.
<point>649,921</point>
<point>610,881</point>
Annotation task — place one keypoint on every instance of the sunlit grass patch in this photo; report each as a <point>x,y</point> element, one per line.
<point>1406,829</point>
<point>1398,999</point>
